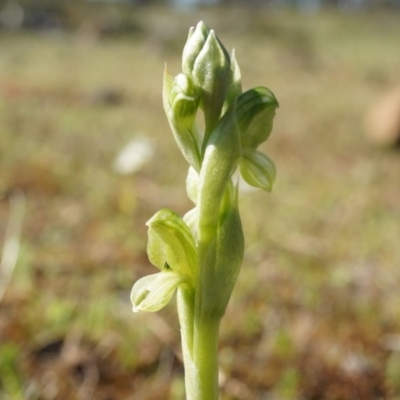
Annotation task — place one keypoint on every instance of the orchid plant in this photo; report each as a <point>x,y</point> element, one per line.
<point>200,255</point>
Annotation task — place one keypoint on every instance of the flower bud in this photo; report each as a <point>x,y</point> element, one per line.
<point>207,62</point>
<point>184,101</point>
<point>255,112</point>
<point>196,40</point>
<point>180,105</point>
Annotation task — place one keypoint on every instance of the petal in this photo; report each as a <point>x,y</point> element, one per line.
<point>153,292</point>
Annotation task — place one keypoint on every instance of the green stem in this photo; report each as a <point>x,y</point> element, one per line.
<point>200,347</point>
<point>185,303</point>
<point>200,350</point>
<point>205,355</point>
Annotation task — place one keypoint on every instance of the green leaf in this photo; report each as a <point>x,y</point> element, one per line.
<point>153,292</point>
<point>171,241</point>
<point>257,169</point>
<point>226,256</point>
<point>220,161</point>
<point>255,113</point>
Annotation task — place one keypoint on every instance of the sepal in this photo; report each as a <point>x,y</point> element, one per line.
<point>257,169</point>
<point>235,89</point>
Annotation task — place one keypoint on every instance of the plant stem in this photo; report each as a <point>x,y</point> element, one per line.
<point>200,350</point>
<point>206,357</point>
<point>204,386</point>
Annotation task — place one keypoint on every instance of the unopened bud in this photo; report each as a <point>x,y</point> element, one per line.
<point>184,101</point>
<point>255,113</point>
<point>180,105</point>
<point>207,62</point>
<point>196,40</point>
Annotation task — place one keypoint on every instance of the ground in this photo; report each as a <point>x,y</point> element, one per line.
<point>315,314</point>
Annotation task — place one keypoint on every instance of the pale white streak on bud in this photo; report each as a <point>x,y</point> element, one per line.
<point>192,184</point>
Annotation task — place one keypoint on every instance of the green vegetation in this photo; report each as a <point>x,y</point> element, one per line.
<point>315,312</point>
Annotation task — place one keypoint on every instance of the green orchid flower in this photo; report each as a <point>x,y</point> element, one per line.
<point>170,248</point>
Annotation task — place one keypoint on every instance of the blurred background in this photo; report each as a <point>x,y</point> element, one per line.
<point>87,157</point>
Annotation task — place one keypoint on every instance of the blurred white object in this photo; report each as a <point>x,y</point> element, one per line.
<point>133,156</point>
<point>12,241</point>
<point>382,121</point>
